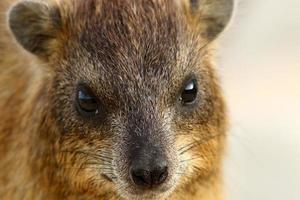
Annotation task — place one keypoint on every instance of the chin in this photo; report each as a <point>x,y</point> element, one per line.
<point>129,192</point>
<point>146,196</point>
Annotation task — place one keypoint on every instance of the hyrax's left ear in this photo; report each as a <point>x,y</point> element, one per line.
<point>35,25</point>
<point>209,16</point>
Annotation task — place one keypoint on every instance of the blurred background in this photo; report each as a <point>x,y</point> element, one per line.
<point>260,69</point>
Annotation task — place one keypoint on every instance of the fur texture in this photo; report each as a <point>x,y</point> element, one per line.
<point>136,57</point>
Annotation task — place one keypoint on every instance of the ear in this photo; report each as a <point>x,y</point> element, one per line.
<point>35,25</point>
<point>210,16</point>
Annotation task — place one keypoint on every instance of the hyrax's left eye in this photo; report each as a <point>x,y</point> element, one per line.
<point>87,103</point>
<point>189,92</point>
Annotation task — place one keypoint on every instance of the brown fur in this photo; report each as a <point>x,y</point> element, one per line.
<point>147,50</point>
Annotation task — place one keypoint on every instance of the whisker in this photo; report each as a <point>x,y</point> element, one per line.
<point>191,146</point>
<point>94,155</point>
<point>197,168</point>
<point>190,159</point>
<point>185,146</point>
<point>196,143</point>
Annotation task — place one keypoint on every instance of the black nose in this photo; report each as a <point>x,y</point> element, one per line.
<point>149,176</point>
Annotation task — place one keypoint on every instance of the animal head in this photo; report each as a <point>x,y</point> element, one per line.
<point>133,96</point>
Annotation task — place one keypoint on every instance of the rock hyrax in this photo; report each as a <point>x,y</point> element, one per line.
<point>111,99</point>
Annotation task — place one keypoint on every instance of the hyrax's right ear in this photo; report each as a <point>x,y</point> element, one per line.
<point>35,25</point>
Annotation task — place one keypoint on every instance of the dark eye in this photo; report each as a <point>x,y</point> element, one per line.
<point>87,103</point>
<point>189,92</point>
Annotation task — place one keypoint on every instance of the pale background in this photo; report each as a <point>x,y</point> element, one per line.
<point>260,69</point>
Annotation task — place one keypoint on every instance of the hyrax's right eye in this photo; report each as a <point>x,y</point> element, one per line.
<point>86,101</point>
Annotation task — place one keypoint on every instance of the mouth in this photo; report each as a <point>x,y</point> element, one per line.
<point>150,193</point>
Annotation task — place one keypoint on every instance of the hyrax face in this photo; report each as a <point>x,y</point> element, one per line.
<point>133,94</point>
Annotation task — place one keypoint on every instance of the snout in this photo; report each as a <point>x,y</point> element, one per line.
<point>149,167</point>
<point>149,173</point>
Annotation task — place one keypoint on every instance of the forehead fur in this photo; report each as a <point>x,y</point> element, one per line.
<point>145,38</point>
<point>132,27</point>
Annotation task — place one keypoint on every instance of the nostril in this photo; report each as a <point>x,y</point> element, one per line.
<point>159,175</point>
<point>141,177</point>
<point>146,178</point>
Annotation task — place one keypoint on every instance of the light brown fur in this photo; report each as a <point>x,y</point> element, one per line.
<point>40,136</point>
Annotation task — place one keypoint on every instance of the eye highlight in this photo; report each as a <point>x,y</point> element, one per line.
<point>189,92</point>
<point>87,103</point>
